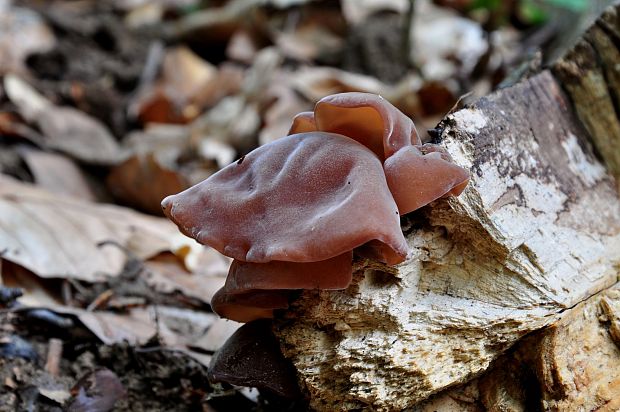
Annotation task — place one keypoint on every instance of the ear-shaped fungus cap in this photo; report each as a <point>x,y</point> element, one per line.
<point>367,118</point>
<point>253,290</point>
<point>416,179</point>
<point>252,357</point>
<point>416,174</point>
<point>303,198</point>
<point>330,274</point>
<point>303,123</point>
<point>248,306</point>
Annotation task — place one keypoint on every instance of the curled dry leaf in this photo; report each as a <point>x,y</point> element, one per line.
<point>56,236</point>
<point>65,129</point>
<point>58,174</point>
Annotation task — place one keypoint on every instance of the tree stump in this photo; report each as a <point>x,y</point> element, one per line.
<point>532,247</point>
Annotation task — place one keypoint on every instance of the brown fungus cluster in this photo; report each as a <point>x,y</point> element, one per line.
<point>291,212</point>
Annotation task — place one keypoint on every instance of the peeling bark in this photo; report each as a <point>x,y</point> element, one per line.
<point>536,233</point>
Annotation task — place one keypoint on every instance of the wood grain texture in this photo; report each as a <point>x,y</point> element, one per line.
<point>591,76</point>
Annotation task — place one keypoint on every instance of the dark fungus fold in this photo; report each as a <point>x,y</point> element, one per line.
<point>254,290</point>
<point>252,357</point>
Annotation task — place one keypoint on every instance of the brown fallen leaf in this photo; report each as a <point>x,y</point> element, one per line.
<point>65,128</point>
<point>165,275</point>
<point>56,236</point>
<point>171,99</point>
<point>57,173</point>
<point>142,182</point>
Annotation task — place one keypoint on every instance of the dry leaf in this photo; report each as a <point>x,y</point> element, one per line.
<point>317,82</point>
<point>222,153</point>
<point>22,32</point>
<point>241,47</point>
<point>57,173</point>
<point>56,236</point>
<point>65,128</point>
<point>217,334</point>
<point>142,182</point>
<point>171,98</point>
<point>280,113</point>
<point>228,81</point>
<point>165,275</point>
<point>309,42</point>
<point>57,395</point>
<point>445,44</point>
<point>184,73</point>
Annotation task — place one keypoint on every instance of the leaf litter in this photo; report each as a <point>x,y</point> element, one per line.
<point>107,107</point>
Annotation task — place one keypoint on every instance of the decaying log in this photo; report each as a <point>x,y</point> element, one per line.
<point>535,234</point>
<point>575,363</point>
<point>590,75</point>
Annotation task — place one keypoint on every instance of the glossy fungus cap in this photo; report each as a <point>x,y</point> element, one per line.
<point>303,198</point>
<point>367,118</point>
<point>418,175</point>
<point>250,305</point>
<point>254,290</point>
<point>330,274</point>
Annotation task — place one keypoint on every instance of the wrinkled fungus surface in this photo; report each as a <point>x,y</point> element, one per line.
<point>303,198</point>
<point>291,212</point>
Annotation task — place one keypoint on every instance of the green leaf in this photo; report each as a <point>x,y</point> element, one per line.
<point>574,5</point>
<point>532,13</point>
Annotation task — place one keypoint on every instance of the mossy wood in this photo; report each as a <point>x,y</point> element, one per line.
<point>532,247</point>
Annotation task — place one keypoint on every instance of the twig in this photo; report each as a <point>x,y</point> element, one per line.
<point>54,353</point>
<point>100,300</point>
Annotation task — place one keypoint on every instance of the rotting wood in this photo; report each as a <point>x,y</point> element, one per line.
<point>536,232</point>
<point>590,75</point>
<point>572,365</point>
